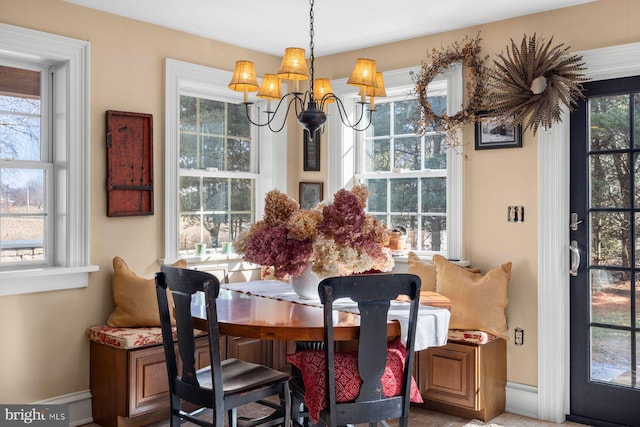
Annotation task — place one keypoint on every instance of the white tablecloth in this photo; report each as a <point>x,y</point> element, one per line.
<point>433,322</point>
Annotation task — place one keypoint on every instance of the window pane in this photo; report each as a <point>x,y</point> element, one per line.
<point>407,153</point>
<point>610,356</point>
<point>188,114</point>
<point>377,155</point>
<point>23,220</point>
<point>610,297</point>
<point>404,195</point>
<point>610,239</point>
<point>609,122</point>
<point>217,228</point>
<point>242,195</point>
<point>190,232</point>
<point>434,233</point>
<point>212,117</point>
<point>239,222</point>
<point>238,155</point>
<point>435,151</point>
<point>20,132</point>
<point>238,123</point>
<point>212,153</point>
<point>381,122</point>
<point>610,186</point>
<point>215,195</point>
<point>189,193</point>
<point>377,201</point>
<point>188,151</point>
<point>636,124</point>
<point>405,115</point>
<point>434,195</point>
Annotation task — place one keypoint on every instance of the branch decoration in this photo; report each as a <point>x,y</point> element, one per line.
<point>466,53</point>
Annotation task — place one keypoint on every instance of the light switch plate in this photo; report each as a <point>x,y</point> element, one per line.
<point>515,213</point>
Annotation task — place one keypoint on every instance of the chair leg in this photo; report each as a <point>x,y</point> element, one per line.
<point>285,400</point>
<point>233,417</point>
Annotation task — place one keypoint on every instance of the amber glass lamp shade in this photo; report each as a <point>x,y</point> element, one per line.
<point>364,73</point>
<point>244,78</point>
<point>294,65</point>
<point>321,87</point>
<point>271,88</point>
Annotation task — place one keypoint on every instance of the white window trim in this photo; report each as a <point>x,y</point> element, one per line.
<point>184,77</point>
<point>70,59</point>
<point>342,150</point>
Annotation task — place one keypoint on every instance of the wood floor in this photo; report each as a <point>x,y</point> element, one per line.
<point>425,418</point>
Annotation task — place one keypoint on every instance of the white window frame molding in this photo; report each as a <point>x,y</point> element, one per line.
<point>197,80</point>
<point>553,237</point>
<point>342,149</point>
<point>70,60</point>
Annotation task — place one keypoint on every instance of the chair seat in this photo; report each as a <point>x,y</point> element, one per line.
<point>239,376</point>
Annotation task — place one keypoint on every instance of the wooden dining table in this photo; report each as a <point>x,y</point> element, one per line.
<point>251,316</point>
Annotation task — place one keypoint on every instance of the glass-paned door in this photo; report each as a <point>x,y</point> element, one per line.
<point>605,240</point>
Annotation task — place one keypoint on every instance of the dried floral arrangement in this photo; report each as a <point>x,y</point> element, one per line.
<point>338,238</point>
<point>529,83</point>
<point>467,53</point>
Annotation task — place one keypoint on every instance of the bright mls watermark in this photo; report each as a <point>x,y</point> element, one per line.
<point>34,415</point>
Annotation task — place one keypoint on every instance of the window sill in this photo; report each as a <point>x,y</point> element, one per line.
<point>16,282</point>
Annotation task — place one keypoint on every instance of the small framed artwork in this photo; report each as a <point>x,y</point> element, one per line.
<point>311,152</point>
<point>496,132</point>
<point>310,194</point>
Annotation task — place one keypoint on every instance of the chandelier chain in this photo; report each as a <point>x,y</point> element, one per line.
<point>311,56</point>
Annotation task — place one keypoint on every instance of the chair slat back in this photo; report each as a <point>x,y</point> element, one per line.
<point>183,284</point>
<point>373,293</point>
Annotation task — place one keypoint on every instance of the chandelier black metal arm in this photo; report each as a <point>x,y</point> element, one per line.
<point>344,117</point>
<point>313,117</point>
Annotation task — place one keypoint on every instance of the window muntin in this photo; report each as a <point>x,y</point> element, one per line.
<point>217,177</point>
<point>25,166</point>
<point>406,173</point>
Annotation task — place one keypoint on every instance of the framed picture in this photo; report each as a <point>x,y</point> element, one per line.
<point>311,152</point>
<point>496,132</point>
<point>310,194</point>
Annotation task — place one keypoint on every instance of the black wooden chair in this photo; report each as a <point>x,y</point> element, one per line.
<point>224,385</point>
<point>373,294</point>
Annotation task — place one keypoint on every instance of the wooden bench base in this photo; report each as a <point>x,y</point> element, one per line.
<point>129,386</point>
<point>466,380</point>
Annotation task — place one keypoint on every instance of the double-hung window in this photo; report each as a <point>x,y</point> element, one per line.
<point>218,166</point>
<point>414,180</point>
<point>217,170</point>
<point>44,161</point>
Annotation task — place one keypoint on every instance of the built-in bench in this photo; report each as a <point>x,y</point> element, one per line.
<point>467,377</point>
<point>128,375</point>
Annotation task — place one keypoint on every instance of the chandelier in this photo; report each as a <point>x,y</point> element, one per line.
<point>309,106</point>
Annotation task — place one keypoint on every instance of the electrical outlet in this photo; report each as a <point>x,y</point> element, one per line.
<point>519,336</point>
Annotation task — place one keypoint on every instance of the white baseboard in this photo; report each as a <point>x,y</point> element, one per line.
<point>522,400</point>
<point>79,406</point>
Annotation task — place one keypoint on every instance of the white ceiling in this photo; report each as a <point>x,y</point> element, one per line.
<point>340,25</point>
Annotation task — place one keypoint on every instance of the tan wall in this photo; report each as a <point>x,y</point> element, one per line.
<point>46,353</point>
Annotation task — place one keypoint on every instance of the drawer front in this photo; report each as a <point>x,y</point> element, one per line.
<point>148,387</point>
<point>148,383</point>
<point>451,375</point>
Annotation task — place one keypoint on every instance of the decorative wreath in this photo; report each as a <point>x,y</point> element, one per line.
<point>529,83</point>
<point>467,54</point>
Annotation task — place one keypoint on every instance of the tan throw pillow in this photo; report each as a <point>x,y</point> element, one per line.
<point>135,298</point>
<point>477,301</point>
<point>425,270</point>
